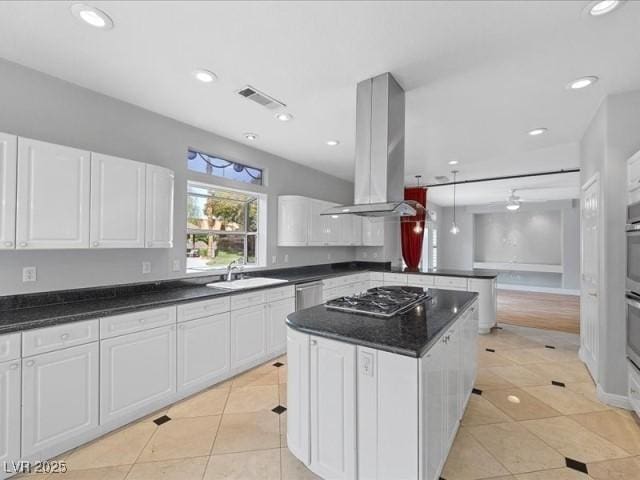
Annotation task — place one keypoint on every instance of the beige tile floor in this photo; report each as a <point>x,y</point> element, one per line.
<point>520,428</point>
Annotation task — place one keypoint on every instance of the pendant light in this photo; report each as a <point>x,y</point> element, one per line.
<point>418,228</point>
<point>454,226</point>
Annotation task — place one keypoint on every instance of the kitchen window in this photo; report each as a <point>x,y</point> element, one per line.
<point>224,225</point>
<point>219,167</point>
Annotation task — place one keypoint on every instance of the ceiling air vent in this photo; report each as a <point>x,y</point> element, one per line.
<point>442,179</point>
<point>260,98</point>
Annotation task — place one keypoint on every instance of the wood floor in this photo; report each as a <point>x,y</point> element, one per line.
<point>539,310</point>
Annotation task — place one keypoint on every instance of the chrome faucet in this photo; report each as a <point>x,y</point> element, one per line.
<point>237,264</point>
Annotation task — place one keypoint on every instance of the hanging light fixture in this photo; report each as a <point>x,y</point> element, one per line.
<point>454,226</point>
<point>418,228</point>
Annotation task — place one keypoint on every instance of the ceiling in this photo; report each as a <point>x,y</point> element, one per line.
<point>478,74</point>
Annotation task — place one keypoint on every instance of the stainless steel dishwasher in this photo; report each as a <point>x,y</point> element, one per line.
<point>308,295</point>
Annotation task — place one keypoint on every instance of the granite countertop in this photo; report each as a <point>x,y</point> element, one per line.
<point>447,272</point>
<point>24,312</point>
<point>411,334</point>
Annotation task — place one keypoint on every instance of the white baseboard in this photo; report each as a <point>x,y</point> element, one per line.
<point>531,288</point>
<point>620,401</point>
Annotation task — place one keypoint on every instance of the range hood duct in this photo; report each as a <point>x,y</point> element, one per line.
<point>379,171</point>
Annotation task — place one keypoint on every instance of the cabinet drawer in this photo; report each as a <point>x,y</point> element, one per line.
<point>375,276</point>
<point>191,311</point>
<point>360,277</point>
<point>454,282</point>
<point>247,300</point>
<point>49,339</point>
<point>420,280</point>
<point>9,347</point>
<point>280,293</point>
<point>394,278</point>
<point>331,293</point>
<point>136,321</point>
<point>334,282</point>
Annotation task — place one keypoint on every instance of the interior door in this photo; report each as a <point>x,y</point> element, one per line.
<point>590,267</point>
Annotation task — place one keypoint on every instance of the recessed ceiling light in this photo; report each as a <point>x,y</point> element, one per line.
<point>513,399</point>
<point>284,117</point>
<point>251,136</point>
<point>582,82</point>
<point>454,162</point>
<point>602,7</point>
<point>92,16</point>
<point>537,131</point>
<point>205,76</point>
<point>333,143</point>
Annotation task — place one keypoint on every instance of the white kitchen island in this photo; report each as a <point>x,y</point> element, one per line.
<point>380,398</point>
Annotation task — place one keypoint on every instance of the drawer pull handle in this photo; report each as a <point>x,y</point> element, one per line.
<point>313,342</point>
<point>23,244</point>
<point>64,336</point>
<point>95,244</point>
<point>13,366</point>
<point>141,321</point>
<point>8,244</point>
<point>31,363</point>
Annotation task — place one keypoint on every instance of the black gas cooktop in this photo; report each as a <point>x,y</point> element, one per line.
<point>380,301</point>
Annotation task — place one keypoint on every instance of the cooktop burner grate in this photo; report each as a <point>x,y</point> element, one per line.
<point>380,301</point>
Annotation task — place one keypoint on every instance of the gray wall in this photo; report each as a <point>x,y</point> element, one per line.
<point>477,243</point>
<point>41,107</point>
<point>612,137</point>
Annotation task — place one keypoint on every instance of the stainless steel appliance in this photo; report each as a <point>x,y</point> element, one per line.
<point>633,328</point>
<point>380,301</point>
<point>308,295</point>
<point>633,248</point>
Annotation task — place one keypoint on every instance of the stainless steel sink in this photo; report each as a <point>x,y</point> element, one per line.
<point>253,282</point>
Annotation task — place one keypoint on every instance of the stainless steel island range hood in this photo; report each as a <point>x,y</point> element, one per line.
<point>379,170</point>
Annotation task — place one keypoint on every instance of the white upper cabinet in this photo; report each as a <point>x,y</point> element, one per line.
<point>117,202</point>
<point>159,220</point>
<point>319,226</point>
<point>372,232</point>
<point>293,218</point>
<point>350,230</point>
<point>53,196</point>
<point>8,167</point>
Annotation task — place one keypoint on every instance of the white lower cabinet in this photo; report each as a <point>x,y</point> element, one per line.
<point>9,412</point>
<point>203,351</point>
<point>298,421</point>
<point>248,336</point>
<point>276,324</point>
<point>137,373</point>
<point>434,411</point>
<point>333,408</point>
<point>59,397</point>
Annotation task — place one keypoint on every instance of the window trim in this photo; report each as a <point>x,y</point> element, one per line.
<point>260,233</point>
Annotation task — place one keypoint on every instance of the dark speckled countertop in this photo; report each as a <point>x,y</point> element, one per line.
<point>24,312</point>
<point>411,333</point>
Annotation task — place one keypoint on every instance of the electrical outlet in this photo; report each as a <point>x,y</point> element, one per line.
<point>375,255</point>
<point>146,267</point>
<point>176,265</point>
<point>328,256</point>
<point>274,259</point>
<point>29,274</point>
<point>286,258</point>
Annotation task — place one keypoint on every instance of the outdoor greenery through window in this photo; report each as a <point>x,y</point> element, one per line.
<point>219,167</point>
<point>222,226</point>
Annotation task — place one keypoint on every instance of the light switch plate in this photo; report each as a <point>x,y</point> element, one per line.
<point>176,265</point>
<point>274,259</point>
<point>286,258</point>
<point>146,267</point>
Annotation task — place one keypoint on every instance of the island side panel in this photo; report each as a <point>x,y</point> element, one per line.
<point>387,415</point>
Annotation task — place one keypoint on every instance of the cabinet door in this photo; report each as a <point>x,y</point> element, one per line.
<point>203,351</point>
<point>59,397</point>
<point>293,215</point>
<point>276,324</point>
<point>434,409</point>
<point>333,405</point>
<point>159,207</point>
<point>319,228</point>
<point>372,232</point>
<point>53,196</point>
<point>117,202</point>
<point>248,336</point>
<point>298,395</point>
<point>453,384</point>
<point>9,411</point>
<point>137,372</point>
<point>8,167</point>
